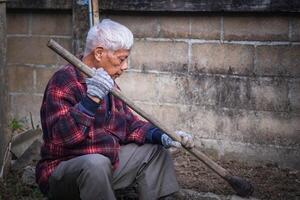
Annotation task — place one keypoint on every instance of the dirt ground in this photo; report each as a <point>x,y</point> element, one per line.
<point>270,182</point>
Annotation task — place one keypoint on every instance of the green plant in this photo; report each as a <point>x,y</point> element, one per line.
<point>15,125</point>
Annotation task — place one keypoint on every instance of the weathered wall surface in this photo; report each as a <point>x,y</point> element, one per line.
<point>30,62</point>
<point>233,80</point>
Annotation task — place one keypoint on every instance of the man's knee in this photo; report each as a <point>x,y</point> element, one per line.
<point>159,151</point>
<point>157,155</point>
<point>95,177</point>
<point>96,165</point>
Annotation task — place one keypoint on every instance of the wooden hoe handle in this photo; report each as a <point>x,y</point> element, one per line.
<point>241,186</point>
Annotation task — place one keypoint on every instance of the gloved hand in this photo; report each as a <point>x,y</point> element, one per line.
<point>100,83</point>
<point>186,140</point>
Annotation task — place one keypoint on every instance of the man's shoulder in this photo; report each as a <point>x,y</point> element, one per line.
<point>64,76</point>
<point>66,70</point>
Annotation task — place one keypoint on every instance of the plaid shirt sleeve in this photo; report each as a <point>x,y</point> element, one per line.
<point>66,125</point>
<point>137,129</point>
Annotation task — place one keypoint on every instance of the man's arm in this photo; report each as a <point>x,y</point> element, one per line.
<point>67,121</point>
<point>137,129</point>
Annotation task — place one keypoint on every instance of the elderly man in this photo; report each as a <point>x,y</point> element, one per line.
<point>93,143</point>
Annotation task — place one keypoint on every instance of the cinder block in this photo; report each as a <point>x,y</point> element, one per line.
<point>161,56</point>
<point>43,75</point>
<point>17,23</point>
<point>295,23</point>
<point>277,128</point>
<point>174,27</point>
<point>252,127</point>
<point>277,60</point>
<point>208,122</point>
<point>159,88</point>
<point>252,154</point>
<point>230,92</point>
<point>294,95</point>
<point>175,117</point>
<point>222,58</point>
<point>269,94</point>
<point>141,26</point>
<point>139,86</point>
<point>206,27</point>
<point>200,90</point>
<point>20,78</point>
<point>29,50</point>
<point>22,105</point>
<point>267,28</point>
<point>222,92</point>
<point>171,88</point>
<point>202,122</point>
<point>51,24</point>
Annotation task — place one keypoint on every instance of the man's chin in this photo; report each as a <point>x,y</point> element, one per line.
<point>115,77</point>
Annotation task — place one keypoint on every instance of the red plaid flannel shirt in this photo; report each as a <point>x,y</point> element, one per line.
<point>68,132</point>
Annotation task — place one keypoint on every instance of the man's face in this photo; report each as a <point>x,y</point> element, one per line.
<point>114,62</point>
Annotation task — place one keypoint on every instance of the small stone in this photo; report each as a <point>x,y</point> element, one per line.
<point>294,172</point>
<point>28,177</point>
<point>235,197</point>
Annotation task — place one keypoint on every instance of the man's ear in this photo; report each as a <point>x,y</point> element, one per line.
<point>98,53</point>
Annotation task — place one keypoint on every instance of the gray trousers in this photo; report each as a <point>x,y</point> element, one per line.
<point>90,177</point>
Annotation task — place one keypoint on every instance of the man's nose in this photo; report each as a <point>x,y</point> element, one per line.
<point>125,65</point>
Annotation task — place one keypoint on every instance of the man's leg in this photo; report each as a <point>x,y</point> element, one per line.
<point>85,177</point>
<point>150,166</point>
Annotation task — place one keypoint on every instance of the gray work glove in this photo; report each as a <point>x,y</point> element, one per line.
<point>100,83</point>
<point>186,140</point>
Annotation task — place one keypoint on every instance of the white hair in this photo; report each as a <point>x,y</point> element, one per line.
<point>109,35</point>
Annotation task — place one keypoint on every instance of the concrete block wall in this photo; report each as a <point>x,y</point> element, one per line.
<point>30,62</point>
<point>231,80</point>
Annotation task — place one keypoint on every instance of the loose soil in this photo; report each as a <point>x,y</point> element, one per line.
<point>270,182</point>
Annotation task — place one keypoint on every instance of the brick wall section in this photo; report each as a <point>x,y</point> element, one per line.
<point>233,81</point>
<point>262,28</point>
<point>159,57</point>
<point>30,62</point>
